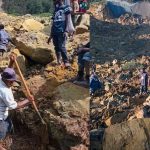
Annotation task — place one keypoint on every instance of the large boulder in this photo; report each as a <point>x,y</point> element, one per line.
<point>128,136</point>
<point>81,29</point>
<point>22,62</point>
<point>83,25</point>
<point>71,102</point>
<point>34,46</point>
<point>85,20</point>
<point>65,110</point>
<point>42,87</point>
<point>32,25</point>
<point>73,99</point>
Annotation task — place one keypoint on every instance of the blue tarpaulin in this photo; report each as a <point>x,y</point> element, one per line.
<point>118,8</point>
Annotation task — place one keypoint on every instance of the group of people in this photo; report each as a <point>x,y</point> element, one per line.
<point>59,37</point>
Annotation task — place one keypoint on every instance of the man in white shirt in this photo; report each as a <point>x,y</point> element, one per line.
<point>7,102</point>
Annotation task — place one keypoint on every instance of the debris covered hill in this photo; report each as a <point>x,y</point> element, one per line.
<point>120,48</point>
<point>62,104</point>
<point>120,100</point>
<point>121,38</point>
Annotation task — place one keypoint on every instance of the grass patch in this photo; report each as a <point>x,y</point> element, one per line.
<point>132,66</point>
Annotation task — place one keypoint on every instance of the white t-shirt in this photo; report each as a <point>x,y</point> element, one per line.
<point>7,101</point>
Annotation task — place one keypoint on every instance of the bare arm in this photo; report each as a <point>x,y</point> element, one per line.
<point>11,62</point>
<point>25,102</point>
<point>50,37</point>
<point>22,104</point>
<point>84,49</point>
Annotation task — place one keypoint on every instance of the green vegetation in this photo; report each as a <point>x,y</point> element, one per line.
<point>132,65</point>
<point>21,7</point>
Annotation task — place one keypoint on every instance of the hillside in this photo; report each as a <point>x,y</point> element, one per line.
<point>120,48</point>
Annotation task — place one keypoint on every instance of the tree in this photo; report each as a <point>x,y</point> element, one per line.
<point>28,6</point>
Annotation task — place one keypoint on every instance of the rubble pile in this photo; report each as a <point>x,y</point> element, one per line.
<point>120,100</point>
<point>62,104</point>
<point>120,48</point>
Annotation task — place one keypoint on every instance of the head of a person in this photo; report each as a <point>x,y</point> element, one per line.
<point>143,69</point>
<point>59,2</point>
<point>9,76</point>
<point>1,26</point>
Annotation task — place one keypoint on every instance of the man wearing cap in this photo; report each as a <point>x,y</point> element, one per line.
<point>7,102</point>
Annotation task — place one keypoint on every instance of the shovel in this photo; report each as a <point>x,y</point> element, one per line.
<point>28,92</point>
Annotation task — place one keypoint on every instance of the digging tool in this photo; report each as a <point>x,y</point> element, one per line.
<point>28,92</point>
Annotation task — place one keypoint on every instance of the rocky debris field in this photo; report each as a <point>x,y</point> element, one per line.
<point>63,105</point>
<point>129,135</point>
<point>120,100</point>
<point>124,38</point>
<point>120,48</point>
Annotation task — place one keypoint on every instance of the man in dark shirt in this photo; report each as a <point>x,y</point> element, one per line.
<point>144,81</point>
<point>58,31</point>
<point>84,58</point>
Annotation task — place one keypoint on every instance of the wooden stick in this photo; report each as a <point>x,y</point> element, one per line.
<point>28,92</point>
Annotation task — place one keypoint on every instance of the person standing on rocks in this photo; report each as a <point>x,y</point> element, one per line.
<point>144,81</point>
<point>58,31</point>
<point>84,58</point>
<point>7,102</point>
<point>4,40</point>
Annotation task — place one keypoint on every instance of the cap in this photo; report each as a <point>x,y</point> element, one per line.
<point>9,74</point>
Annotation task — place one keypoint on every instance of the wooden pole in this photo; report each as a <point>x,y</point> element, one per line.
<point>28,92</point>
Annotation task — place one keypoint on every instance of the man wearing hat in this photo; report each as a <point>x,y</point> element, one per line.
<point>7,102</point>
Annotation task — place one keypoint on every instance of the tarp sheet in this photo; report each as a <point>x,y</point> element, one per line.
<point>118,8</point>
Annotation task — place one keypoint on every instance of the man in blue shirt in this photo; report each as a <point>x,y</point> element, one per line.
<point>84,58</point>
<point>4,39</point>
<point>58,31</point>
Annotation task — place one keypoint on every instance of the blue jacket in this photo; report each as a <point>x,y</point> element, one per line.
<point>95,84</point>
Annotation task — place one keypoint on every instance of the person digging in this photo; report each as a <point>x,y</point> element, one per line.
<point>58,31</point>
<point>7,101</point>
<point>84,59</point>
